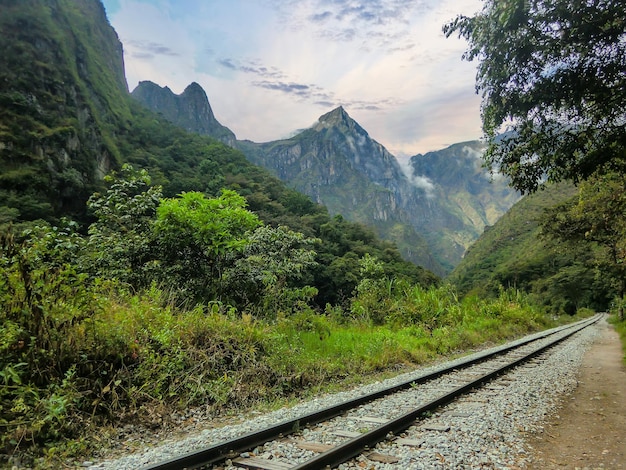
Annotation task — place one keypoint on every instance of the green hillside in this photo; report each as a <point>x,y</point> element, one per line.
<point>63,99</point>
<point>68,120</point>
<point>512,253</point>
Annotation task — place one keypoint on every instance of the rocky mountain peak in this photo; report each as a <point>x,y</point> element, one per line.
<point>194,88</point>
<point>338,118</point>
<point>190,110</point>
<point>338,114</point>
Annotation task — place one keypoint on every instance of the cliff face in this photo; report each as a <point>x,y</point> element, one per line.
<point>63,96</point>
<point>337,164</point>
<point>190,110</point>
<point>459,186</point>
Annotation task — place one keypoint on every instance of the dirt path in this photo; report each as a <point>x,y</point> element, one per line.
<point>589,431</point>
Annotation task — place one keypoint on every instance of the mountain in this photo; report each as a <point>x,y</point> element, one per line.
<point>459,185</point>
<point>63,100</point>
<point>512,253</point>
<point>338,165</point>
<point>433,214</point>
<point>190,110</point>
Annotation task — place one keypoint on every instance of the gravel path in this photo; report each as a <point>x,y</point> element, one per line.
<point>589,430</point>
<point>483,430</point>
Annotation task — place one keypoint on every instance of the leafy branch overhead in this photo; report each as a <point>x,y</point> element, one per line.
<point>552,74</point>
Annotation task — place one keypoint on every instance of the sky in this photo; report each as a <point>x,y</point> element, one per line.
<point>272,67</point>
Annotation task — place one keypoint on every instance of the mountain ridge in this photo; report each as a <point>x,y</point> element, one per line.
<point>433,212</point>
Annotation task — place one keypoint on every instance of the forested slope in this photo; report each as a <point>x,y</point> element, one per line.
<point>513,253</point>
<point>187,276</point>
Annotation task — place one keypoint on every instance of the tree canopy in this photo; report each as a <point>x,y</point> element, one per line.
<point>597,217</point>
<point>553,79</point>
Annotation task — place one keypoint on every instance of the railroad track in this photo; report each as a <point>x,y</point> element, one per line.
<point>373,423</point>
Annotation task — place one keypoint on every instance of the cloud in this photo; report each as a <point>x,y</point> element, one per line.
<point>477,155</point>
<point>295,88</point>
<point>424,183</point>
<point>149,49</point>
<point>325,104</point>
<point>252,67</point>
<point>421,182</point>
<point>320,17</point>
<point>272,78</point>
<point>375,105</point>
<point>373,12</point>
<point>344,35</point>
<point>376,24</point>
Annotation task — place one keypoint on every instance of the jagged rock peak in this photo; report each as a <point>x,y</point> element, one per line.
<point>339,118</point>
<point>194,96</point>
<point>151,84</point>
<point>190,110</point>
<point>336,115</point>
<point>194,88</point>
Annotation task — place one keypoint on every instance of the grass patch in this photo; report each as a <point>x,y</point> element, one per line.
<point>620,327</point>
<point>137,358</point>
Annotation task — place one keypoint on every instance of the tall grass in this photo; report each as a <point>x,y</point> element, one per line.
<point>99,354</point>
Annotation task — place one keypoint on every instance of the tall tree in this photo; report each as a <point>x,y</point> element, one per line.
<point>553,79</point>
<point>120,243</point>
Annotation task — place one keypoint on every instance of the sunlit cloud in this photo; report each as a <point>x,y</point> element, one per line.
<point>148,50</point>
<point>273,66</point>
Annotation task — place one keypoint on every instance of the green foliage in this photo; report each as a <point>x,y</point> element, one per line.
<point>120,243</point>
<point>74,354</point>
<point>620,327</point>
<point>268,278</point>
<point>62,98</point>
<point>196,236</point>
<point>513,254</point>
<point>553,72</point>
<point>596,217</point>
<point>343,245</point>
<point>372,293</point>
<point>46,320</point>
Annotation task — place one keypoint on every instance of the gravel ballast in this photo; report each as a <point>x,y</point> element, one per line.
<point>482,430</point>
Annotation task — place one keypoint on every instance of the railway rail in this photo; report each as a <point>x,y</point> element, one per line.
<point>425,393</point>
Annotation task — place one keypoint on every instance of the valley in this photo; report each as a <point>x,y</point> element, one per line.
<point>156,272</point>
<point>433,210</point>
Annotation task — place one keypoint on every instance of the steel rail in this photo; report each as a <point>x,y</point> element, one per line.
<point>231,448</point>
<point>355,446</point>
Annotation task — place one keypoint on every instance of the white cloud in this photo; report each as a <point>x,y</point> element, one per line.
<point>272,66</point>
<point>424,183</point>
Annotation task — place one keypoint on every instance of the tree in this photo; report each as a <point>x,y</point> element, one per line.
<point>120,243</point>
<point>196,236</point>
<point>271,273</point>
<point>598,217</point>
<point>553,79</point>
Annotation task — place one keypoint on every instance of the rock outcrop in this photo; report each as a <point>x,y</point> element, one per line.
<point>190,110</point>
<point>63,96</point>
